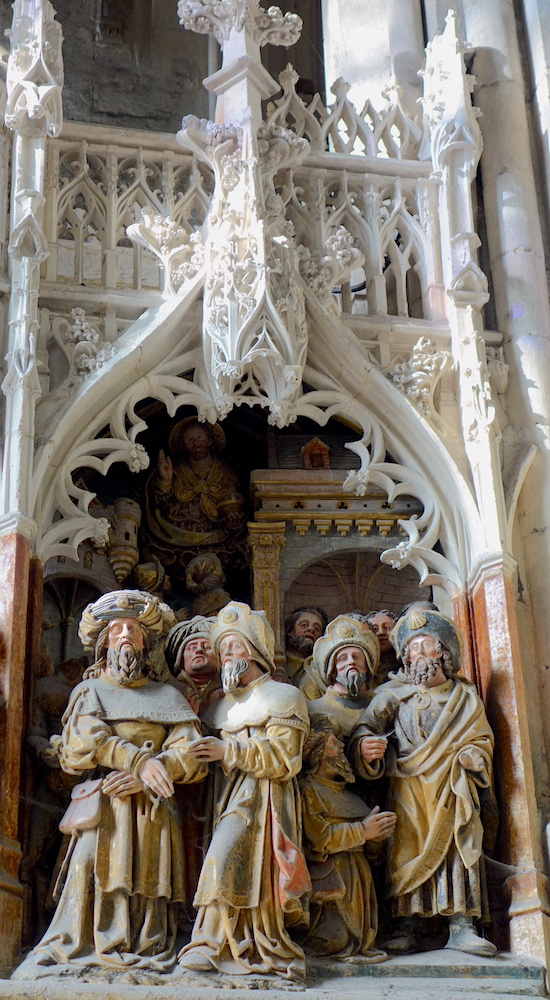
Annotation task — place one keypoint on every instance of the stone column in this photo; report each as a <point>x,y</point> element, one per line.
<point>15,543</point>
<point>33,111</point>
<point>502,685</point>
<point>521,300</point>
<point>266,541</point>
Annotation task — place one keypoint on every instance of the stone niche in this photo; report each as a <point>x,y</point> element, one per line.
<point>313,542</point>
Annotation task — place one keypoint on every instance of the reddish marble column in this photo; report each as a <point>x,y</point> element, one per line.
<point>15,575</point>
<point>461,615</point>
<point>502,686</point>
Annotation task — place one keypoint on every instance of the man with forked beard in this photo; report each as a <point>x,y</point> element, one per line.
<point>440,781</point>
<point>345,658</point>
<point>128,734</point>
<point>254,875</point>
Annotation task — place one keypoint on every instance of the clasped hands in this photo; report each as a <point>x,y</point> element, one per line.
<point>152,774</point>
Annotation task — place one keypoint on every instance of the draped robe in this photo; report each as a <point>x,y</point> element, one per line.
<point>254,874</point>
<point>121,881</point>
<point>435,853</point>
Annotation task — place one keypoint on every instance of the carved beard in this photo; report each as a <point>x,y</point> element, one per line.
<point>231,671</point>
<point>302,645</point>
<point>341,768</point>
<point>355,682</point>
<point>424,669</point>
<point>126,663</point>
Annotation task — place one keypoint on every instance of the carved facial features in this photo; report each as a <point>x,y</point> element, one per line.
<point>426,661</point>
<point>351,670</point>
<point>307,628</point>
<point>382,625</point>
<point>196,442</point>
<point>236,661</point>
<point>125,649</point>
<point>199,661</point>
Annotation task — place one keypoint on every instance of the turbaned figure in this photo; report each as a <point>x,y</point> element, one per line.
<point>254,875</point>
<point>439,765</point>
<point>128,734</point>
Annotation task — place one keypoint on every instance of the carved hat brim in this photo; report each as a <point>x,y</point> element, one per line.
<point>341,632</point>
<point>179,636</point>
<point>434,623</point>
<point>155,617</point>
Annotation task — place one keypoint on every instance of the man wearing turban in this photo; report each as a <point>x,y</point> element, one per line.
<point>129,734</point>
<point>254,875</point>
<point>440,772</point>
<point>346,658</point>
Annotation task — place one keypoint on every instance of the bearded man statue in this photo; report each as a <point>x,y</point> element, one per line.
<point>254,875</point>
<point>440,770</point>
<point>346,658</point>
<point>128,734</point>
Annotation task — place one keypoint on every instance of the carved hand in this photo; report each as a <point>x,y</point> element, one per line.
<point>50,756</point>
<point>373,748</point>
<point>207,748</point>
<point>121,784</point>
<point>154,774</point>
<point>165,469</point>
<point>379,826</point>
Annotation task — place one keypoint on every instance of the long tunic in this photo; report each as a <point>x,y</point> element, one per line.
<point>434,857</point>
<point>121,880</point>
<point>254,875</point>
<point>346,923</point>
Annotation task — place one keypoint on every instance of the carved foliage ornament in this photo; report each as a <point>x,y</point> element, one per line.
<point>418,377</point>
<point>34,77</point>
<point>221,17</point>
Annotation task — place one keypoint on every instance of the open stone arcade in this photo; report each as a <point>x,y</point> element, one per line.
<point>276,386</point>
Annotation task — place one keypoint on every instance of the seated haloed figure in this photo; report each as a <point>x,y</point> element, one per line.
<point>128,733</point>
<point>338,827</point>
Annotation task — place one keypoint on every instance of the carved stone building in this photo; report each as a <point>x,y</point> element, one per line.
<point>351,280</point>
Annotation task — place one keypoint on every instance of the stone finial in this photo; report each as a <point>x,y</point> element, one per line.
<point>34,78</point>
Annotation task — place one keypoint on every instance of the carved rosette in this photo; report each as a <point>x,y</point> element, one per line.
<point>266,542</point>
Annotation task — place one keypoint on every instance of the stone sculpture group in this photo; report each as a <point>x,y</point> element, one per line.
<point>273,850</point>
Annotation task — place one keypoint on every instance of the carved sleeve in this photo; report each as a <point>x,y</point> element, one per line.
<point>324,837</point>
<point>88,741</point>
<point>274,753</point>
<point>376,720</point>
<point>180,766</point>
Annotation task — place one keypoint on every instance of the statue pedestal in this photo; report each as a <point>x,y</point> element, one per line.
<point>431,975</point>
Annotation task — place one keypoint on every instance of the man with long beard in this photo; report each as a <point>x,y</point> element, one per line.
<point>337,827</point>
<point>124,871</point>
<point>254,875</point>
<point>346,659</point>
<point>438,775</point>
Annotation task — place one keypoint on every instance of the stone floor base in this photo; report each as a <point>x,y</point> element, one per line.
<point>435,975</point>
